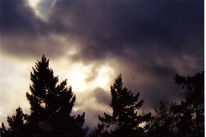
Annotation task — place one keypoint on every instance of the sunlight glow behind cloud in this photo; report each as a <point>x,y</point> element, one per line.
<point>41,7</point>
<point>104,77</point>
<point>79,73</point>
<point>15,82</point>
<point>34,3</point>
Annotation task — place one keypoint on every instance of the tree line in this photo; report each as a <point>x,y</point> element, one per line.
<point>51,104</point>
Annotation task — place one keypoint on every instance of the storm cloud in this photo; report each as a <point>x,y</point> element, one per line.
<point>146,41</point>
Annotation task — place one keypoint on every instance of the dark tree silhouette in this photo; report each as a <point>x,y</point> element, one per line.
<point>124,120</point>
<point>190,112</point>
<point>184,117</point>
<point>3,130</point>
<point>52,103</point>
<point>16,125</point>
<point>160,124</point>
<point>51,106</point>
<point>99,131</point>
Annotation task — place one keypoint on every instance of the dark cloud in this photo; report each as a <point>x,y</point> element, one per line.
<point>13,18</point>
<point>93,103</point>
<point>25,34</point>
<point>109,27</point>
<point>17,18</point>
<point>149,40</point>
<point>101,96</point>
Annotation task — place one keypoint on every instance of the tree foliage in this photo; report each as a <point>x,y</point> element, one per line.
<point>51,106</point>
<point>185,117</point>
<point>16,124</point>
<point>125,119</point>
<point>161,123</point>
<point>190,111</point>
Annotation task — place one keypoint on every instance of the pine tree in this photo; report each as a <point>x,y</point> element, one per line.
<point>51,104</point>
<point>3,131</point>
<point>190,111</point>
<point>16,125</point>
<point>184,117</point>
<point>51,107</point>
<point>125,119</point>
<point>160,124</point>
<point>99,131</point>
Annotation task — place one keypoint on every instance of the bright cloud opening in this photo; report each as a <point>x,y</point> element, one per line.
<point>104,77</point>
<point>83,77</point>
<point>42,7</point>
<point>78,77</point>
<point>34,3</point>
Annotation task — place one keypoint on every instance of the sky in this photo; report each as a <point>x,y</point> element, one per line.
<point>90,42</point>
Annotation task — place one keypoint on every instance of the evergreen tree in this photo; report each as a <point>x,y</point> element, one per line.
<point>184,118</point>
<point>3,130</point>
<point>160,124</point>
<point>51,107</point>
<point>16,125</point>
<point>99,131</point>
<point>125,119</point>
<point>190,111</point>
<point>51,104</point>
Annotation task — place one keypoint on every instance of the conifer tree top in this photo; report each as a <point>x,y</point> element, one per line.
<point>125,106</point>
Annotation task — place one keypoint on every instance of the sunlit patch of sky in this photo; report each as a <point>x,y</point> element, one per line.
<point>77,74</point>
<point>42,7</point>
<point>15,81</point>
<point>14,84</point>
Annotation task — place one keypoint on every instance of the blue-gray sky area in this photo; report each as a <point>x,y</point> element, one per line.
<point>89,42</point>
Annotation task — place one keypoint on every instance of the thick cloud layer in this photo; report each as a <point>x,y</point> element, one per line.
<point>110,27</point>
<point>147,41</point>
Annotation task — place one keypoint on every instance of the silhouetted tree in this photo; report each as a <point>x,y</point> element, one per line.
<point>51,104</point>
<point>16,125</point>
<point>3,130</point>
<point>125,119</point>
<point>190,112</point>
<point>160,124</point>
<point>99,131</point>
<point>51,107</point>
<point>185,117</point>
